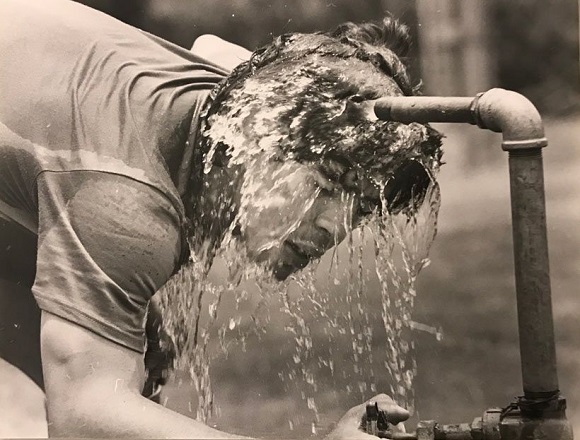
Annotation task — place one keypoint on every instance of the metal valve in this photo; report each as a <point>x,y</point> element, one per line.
<point>375,422</point>
<point>521,420</point>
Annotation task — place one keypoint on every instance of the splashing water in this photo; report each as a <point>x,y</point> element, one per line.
<point>346,317</point>
<point>407,238</point>
<point>331,313</point>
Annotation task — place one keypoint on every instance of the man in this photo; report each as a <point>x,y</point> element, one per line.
<point>114,156</point>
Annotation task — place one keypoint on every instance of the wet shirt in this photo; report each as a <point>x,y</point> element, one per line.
<point>94,118</point>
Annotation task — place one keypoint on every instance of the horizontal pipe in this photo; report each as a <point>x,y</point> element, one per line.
<point>423,109</point>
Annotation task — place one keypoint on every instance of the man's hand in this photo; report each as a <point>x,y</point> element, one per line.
<point>349,427</point>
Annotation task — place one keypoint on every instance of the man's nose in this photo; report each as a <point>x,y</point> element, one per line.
<point>335,217</point>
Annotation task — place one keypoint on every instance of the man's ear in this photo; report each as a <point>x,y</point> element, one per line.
<point>221,52</point>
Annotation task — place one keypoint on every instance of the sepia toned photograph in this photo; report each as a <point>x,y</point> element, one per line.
<point>298,219</point>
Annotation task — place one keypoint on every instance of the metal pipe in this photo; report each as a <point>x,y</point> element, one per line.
<point>523,136</point>
<point>425,109</point>
<point>536,328</point>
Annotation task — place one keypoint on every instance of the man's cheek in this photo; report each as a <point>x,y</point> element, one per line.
<point>272,212</point>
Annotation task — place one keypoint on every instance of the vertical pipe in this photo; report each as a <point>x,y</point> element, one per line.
<point>523,137</point>
<point>536,328</point>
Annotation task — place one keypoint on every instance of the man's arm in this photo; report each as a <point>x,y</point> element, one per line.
<point>93,388</point>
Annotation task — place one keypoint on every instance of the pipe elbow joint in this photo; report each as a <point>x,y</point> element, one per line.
<point>511,114</point>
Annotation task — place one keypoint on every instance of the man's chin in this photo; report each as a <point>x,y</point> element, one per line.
<point>282,270</point>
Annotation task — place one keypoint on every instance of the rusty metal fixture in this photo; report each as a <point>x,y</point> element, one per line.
<point>495,424</point>
<point>522,130</point>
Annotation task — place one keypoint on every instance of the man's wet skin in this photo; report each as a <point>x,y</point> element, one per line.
<point>329,220</point>
<point>310,157</point>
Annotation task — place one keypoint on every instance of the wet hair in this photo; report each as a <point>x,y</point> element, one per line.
<point>384,44</point>
<point>388,34</point>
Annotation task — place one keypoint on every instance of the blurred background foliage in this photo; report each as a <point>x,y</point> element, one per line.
<point>530,46</point>
<point>536,45</point>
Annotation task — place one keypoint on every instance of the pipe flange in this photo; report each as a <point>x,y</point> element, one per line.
<point>474,110</point>
<point>524,145</point>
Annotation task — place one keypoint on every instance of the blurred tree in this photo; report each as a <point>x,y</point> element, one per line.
<point>455,55</point>
<point>537,48</point>
<point>253,23</point>
<point>456,60</point>
<point>467,45</point>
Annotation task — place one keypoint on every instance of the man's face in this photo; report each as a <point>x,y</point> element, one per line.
<point>314,158</point>
<point>296,214</point>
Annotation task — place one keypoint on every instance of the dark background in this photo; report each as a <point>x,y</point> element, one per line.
<point>533,43</point>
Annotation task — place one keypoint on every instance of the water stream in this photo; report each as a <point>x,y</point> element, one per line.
<point>287,142</point>
<point>345,321</point>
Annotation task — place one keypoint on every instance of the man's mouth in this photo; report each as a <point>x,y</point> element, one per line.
<point>295,256</point>
<point>292,254</point>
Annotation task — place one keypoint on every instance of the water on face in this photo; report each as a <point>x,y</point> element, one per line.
<point>345,321</point>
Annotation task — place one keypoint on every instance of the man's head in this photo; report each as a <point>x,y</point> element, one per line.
<point>294,153</point>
